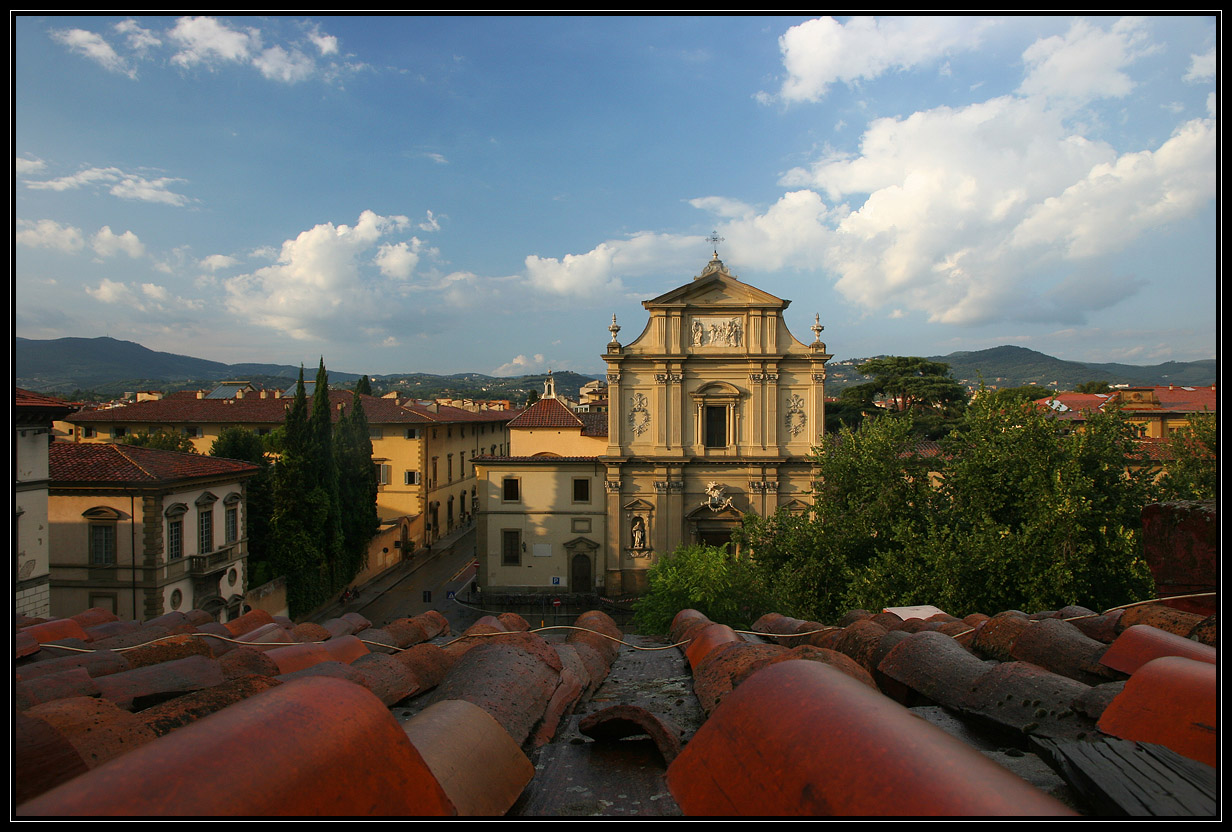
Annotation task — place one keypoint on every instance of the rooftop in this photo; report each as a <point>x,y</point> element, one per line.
<point>1047,714</point>
<point>134,465</point>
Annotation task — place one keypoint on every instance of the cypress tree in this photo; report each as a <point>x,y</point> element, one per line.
<point>364,386</point>
<point>295,548</point>
<point>357,486</point>
<point>326,482</point>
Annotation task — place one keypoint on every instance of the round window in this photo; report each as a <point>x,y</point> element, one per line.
<point>177,598</point>
<point>232,576</point>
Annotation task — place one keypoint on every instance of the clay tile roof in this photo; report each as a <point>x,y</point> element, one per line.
<point>593,424</point>
<point>547,413</point>
<point>128,464</point>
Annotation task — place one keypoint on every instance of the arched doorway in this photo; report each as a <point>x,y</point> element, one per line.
<point>581,552</point>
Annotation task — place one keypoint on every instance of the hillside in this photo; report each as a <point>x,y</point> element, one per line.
<point>111,367</point>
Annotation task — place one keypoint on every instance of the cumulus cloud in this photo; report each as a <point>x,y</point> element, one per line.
<point>108,244</point>
<point>1085,63</point>
<point>112,291</point>
<point>278,64</point>
<point>138,39</point>
<point>92,45</point>
<point>398,260</point>
<point>1201,67</point>
<point>118,183</point>
<point>210,43</point>
<point>205,40</point>
<point>49,234</point>
<point>521,365</point>
<point>26,166</point>
<point>214,262</point>
<point>594,274</point>
<point>318,282</point>
<point>822,52</point>
<point>1118,200</point>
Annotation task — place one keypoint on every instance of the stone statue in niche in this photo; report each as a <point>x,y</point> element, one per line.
<point>716,332</point>
<point>637,532</point>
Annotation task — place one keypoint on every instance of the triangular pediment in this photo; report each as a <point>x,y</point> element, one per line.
<point>717,289</point>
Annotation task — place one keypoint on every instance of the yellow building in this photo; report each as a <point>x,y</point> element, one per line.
<point>712,412</point>
<point>142,532</point>
<point>421,451</point>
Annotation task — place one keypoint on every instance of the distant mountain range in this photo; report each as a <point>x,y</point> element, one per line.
<point>112,367</point>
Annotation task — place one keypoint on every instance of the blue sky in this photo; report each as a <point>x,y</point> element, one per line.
<point>483,194</point>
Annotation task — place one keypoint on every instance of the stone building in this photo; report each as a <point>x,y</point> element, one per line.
<point>712,412</point>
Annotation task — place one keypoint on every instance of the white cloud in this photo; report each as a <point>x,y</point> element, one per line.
<point>1117,201</point>
<point>1086,63</point>
<point>430,224</point>
<point>1202,67</point>
<point>108,244</point>
<point>123,185</point>
<point>521,365</point>
<point>822,52</point>
<point>398,260</point>
<point>214,262</point>
<point>155,292</point>
<point>574,274</point>
<point>206,40</point>
<point>25,166</point>
<point>139,40</point>
<point>326,44</point>
<point>49,234</point>
<point>278,64</point>
<point>111,291</point>
<point>438,158</point>
<point>94,47</point>
<point>317,283</point>
<point>723,206</point>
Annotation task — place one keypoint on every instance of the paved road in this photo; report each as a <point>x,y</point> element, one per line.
<point>399,593</point>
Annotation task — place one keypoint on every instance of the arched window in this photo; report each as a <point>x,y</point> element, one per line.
<point>715,417</point>
<point>175,530</point>
<point>101,530</point>
<point>205,523</point>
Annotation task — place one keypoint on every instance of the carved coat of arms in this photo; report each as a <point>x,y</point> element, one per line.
<point>715,500</point>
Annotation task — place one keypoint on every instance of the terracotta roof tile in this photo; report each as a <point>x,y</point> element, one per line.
<point>547,413</point>
<point>134,465</point>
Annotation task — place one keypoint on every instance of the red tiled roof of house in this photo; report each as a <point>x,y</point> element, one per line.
<point>547,413</point>
<point>593,424</point>
<point>1171,399</point>
<point>134,465</point>
<point>28,398</point>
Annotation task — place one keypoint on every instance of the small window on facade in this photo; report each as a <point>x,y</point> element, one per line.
<point>192,432</point>
<point>119,432</point>
<point>175,538</point>
<point>410,478</point>
<point>716,426</point>
<point>205,530</point>
<point>87,433</point>
<point>233,523</point>
<point>511,547</point>
<point>382,471</point>
<point>511,491</point>
<point>449,468</point>
<point>412,433</point>
<point>376,433</point>
<point>102,544</point>
<point>581,490</point>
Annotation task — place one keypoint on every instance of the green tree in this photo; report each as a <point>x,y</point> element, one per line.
<point>357,487</point>
<point>298,512</point>
<point>872,490</point>
<point>722,586</point>
<point>532,397</point>
<point>364,386</point>
<point>916,385</point>
<point>1012,396</point>
<point>1093,387</point>
<point>324,472</point>
<point>240,443</point>
<point>1193,471</point>
<point>163,440</point>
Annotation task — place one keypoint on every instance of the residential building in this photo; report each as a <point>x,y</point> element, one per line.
<point>1157,412</point>
<point>33,415</point>
<point>712,412</point>
<point>422,451</point>
<point>142,532</point>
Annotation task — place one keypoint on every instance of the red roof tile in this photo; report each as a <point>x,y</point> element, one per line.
<point>134,465</point>
<point>547,413</point>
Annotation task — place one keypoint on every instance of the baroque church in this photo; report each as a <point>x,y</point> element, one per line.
<point>712,413</point>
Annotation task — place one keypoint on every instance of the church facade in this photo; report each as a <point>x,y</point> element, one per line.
<point>713,411</point>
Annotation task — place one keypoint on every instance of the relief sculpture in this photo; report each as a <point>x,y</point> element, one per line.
<point>717,332</point>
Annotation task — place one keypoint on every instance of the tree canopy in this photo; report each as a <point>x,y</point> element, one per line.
<point>240,443</point>
<point>724,587</point>
<point>1193,471</point>
<point>1023,515</point>
<point>163,440</point>
<point>1093,387</point>
<point>914,385</point>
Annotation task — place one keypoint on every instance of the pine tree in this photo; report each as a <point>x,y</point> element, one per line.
<point>364,386</point>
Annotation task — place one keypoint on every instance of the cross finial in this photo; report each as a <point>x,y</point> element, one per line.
<point>714,239</point>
